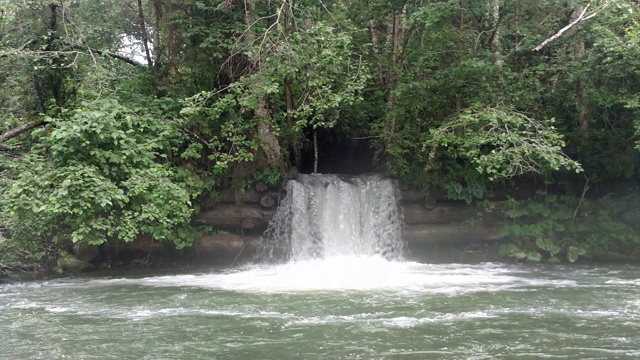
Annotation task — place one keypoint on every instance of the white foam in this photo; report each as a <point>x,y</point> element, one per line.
<point>351,273</point>
<point>635,282</point>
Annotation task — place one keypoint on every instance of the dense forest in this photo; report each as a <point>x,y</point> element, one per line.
<point>117,115</point>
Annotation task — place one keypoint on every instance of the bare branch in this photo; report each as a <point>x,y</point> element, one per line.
<point>20,129</point>
<point>118,57</point>
<point>145,35</point>
<point>579,19</point>
<point>584,192</point>
<point>198,138</point>
<point>47,53</point>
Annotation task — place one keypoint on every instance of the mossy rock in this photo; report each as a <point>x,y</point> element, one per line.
<point>71,263</point>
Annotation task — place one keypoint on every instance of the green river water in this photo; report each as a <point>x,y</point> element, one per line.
<point>334,297</point>
<point>351,307</point>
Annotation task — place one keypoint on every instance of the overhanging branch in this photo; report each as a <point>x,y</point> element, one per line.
<point>20,129</point>
<point>76,51</point>
<point>582,17</point>
<point>112,55</point>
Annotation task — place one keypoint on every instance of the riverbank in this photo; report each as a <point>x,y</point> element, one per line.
<point>434,230</point>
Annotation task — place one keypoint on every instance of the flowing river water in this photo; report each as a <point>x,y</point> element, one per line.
<point>343,292</point>
<point>339,308</point>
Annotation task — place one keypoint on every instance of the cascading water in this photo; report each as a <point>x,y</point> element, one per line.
<point>339,298</point>
<point>325,216</point>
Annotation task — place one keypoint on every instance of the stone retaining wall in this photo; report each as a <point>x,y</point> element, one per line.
<point>427,223</point>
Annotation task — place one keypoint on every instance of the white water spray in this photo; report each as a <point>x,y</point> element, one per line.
<point>325,216</point>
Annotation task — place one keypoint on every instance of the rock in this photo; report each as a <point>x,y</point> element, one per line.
<point>139,262</point>
<point>85,252</point>
<point>261,187</point>
<point>449,234</point>
<point>292,173</point>
<point>227,215</point>
<point>250,196</point>
<point>430,202</point>
<point>412,196</point>
<point>267,201</point>
<point>142,246</point>
<point>249,223</point>
<point>610,257</point>
<point>441,214</point>
<point>73,264</point>
<point>226,244</point>
<point>207,202</point>
<point>146,244</point>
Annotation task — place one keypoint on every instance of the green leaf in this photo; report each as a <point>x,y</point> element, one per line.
<point>507,249</point>
<point>534,256</point>
<point>548,245</point>
<point>554,259</point>
<point>520,255</point>
<point>574,252</point>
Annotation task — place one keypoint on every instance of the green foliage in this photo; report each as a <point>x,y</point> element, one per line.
<point>324,78</point>
<point>490,144</point>
<point>573,252</point>
<point>16,253</point>
<point>502,143</point>
<point>450,97</point>
<point>553,227</point>
<point>631,50</point>
<point>228,133</point>
<point>99,172</point>
<point>326,75</point>
<point>455,68</point>
<point>270,176</point>
<point>512,250</point>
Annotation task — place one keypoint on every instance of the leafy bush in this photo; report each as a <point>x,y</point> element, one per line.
<point>553,227</point>
<point>97,172</point>
<point>484,143</point>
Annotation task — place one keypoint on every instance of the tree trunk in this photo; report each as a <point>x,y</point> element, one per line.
<point>37,91</point>
<point>584,108</point>
<point>145,35</point>
<point>392,45</point>
<point>495,42</point>
<point>173,41</point>
<point>20,129</point>
<point>394,33</point>
<point>584,112</point>
<point>288,94</point>
<point>268,141</point>
<point>581,16</point>
<point>375,47</point>
<point>315,151</point>
<point>56,85</point>
<point>157,45</point>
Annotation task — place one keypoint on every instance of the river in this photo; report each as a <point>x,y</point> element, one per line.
<point>332,282</point>
<point>338,308</point>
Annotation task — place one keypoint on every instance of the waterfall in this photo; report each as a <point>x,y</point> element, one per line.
<point>325,216</point>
